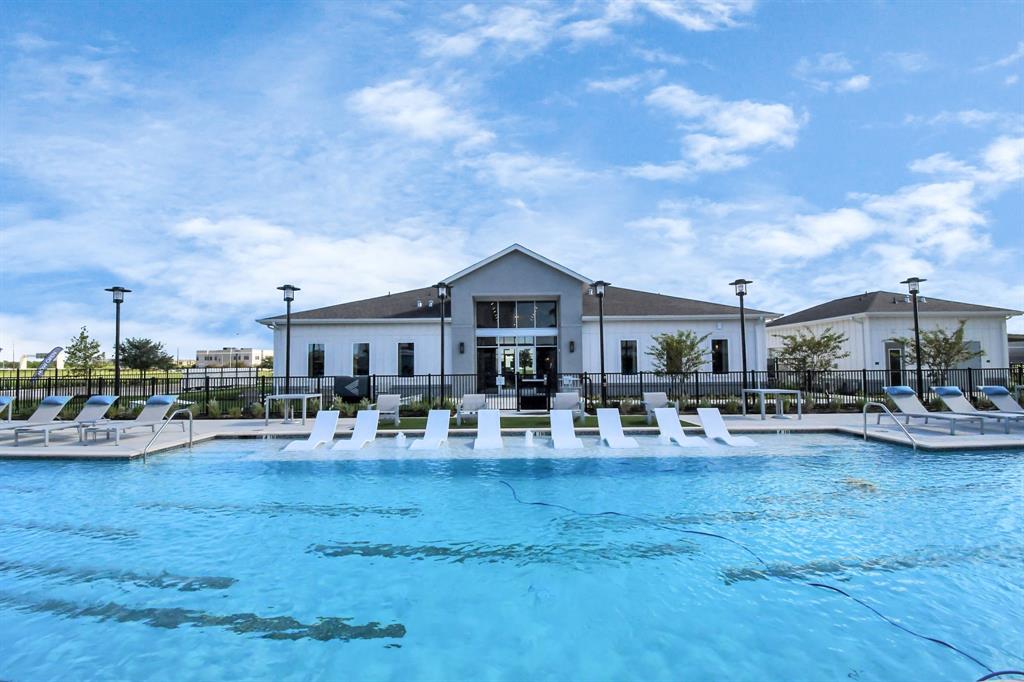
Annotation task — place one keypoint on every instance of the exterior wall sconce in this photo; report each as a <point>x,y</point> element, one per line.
<point>572,346</point>
<point>462,347</point>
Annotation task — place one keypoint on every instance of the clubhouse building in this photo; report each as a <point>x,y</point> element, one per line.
<point>513,314</point>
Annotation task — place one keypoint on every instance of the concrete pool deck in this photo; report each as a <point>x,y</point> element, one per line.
<point>65,445</point>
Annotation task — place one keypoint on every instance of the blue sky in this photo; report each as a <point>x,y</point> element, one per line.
<point>203,153</point>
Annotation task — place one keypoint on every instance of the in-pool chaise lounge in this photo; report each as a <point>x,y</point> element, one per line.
<point>609,424</point>
<point>568,400</point>
<point>488,431</point>
<point>363,433</point>
<point>92,413</point>
<point>323,432</point>
<point>657,401</point>
<point>563,433</point>
<point>45,413</point>
<point>910,407</point>
<point>953,398</point>
<point>388,405</point>
<point>436,433</point>
<point>715,428</point>
<point>470,405</point>
<point>671,430</point>
<point>1001,398</point>
<point>152,416</point>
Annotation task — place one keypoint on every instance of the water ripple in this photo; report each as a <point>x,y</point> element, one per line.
<point>276,509</point>
<point>86,575</point>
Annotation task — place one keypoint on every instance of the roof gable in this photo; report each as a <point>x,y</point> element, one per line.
<point>884,302</point>
<point>517,248</point>
<point>621,302</point>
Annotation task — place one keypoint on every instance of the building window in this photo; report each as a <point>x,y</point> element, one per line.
<point>406,360</point>
<point>516,314</point>
<point>507,314</point>
<point>315,360</point>
<point>547,314</point>
<point>360,359</point>
<point>486,314</point>
<point>719,356</point>
<point>627,357</point>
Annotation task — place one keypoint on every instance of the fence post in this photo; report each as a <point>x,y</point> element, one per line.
<point>696,387</point>
<point>17,389</point>
<point>864,383</point>
<point>373,388</point>
<point>206,391</point>
<point>970,384</point>
<point>641,396</point>
<point>430,395</point>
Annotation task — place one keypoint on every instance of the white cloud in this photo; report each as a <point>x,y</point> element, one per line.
<point>660,57</point>
<point>720,132</point>
<point>1009,60</point>
<point>528,171</point>
<point>1011,79</point>
<point>828,72</point>
<point>1002,163</point>
<point>908,62</point>
<point>625,83</point>
<point>29,42</point>
<point>680,229</point>
<point>418,111</point>
<point>853,84</point>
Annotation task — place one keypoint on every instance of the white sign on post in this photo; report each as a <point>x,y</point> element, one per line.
<point>499,381</point>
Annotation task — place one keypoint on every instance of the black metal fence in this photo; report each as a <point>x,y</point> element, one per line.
<point>242,394</point>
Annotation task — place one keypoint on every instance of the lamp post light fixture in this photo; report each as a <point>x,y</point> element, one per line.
<point>118,296</point>
<point>289,296</point>
<point>442,295</point>
<point>914,287</point>
<point>598,289</point>
<point>740,285</point>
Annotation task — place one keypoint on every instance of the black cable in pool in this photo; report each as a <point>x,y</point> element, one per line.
<point>991,673</point>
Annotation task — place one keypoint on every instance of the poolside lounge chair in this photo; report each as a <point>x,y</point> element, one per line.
<point>609,423</point>
<point>568,400</point>
<point>471,404</point>
<point>563,433</point>
<point>365,431</point>
<point>715,428</point>
<point>323,432</point>
<point>152,416</point>
<point>1001,398</point>
<point>92,413</point>
<point>388,405</point>
<point>7,403</point>
<point>46,413</point>
<point>910,407</point>
<point>436,433</point>
<point>488,431</point>
<point>953,398</point>
<point>657,401</point>
<point>671,431</point>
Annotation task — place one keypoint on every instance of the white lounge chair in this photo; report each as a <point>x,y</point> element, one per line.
<point>568,400</point>
<point>1001,398</point>
<point>671,431</point>
<point>658,401</point>
<point>488,431</point>
<point>7,403</point>
<point>364,432</point>
<point>563,433</point>
<point>92,413</point>
<point>609,423</point>
<point>715,428</point>
<point>323,432</point>
<point>470,405</point>
<point>953,398</point>
<point>910,407</point>
<point>45,413</point>
<point>388,405</point>
<point>152,416</point>
<point>436,433</point>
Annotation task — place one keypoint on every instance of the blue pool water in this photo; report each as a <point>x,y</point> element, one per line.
<point>229,564</point>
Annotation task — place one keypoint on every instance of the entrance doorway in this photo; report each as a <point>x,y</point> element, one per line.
<point>894,363</point>
<point>516,366</point>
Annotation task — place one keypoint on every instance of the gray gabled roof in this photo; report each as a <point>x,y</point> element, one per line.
<point>517,248</point>
<point>619,301</point>
<point>404,305</point>
<point>883,302</point>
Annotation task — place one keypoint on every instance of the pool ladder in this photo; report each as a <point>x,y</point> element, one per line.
<point>885,409</point>
<point>183,410</point>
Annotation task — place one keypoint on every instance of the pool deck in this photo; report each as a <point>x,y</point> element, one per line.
<point>64,444</point>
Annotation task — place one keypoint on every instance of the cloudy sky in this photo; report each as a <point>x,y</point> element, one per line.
<point>204,153</point>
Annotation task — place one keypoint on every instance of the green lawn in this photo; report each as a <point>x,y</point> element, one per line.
<point>538,422</point>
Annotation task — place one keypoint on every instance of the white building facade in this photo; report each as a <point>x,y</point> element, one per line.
<point>513,313</point>
<point>873,321</point>
<point>231,357</point>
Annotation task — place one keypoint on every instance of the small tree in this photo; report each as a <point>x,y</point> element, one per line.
<point>144,354</point>
<point>267,362</point>
<point>679,353</point>
<point>83,353</point>
<point>941,351</point>
<point>807,351</point>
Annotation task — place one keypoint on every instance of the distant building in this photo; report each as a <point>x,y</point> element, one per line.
<point>58,363</point>
<point>872,322</point>
<point>1015,343</point>
<point>232,357</point>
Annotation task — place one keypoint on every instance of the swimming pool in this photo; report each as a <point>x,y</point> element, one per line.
<point>231,563</point>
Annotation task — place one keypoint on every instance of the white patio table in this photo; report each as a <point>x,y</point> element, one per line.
<point>287,398</point>
<point>762,393</point>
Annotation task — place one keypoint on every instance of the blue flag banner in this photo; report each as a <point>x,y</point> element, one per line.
<point>47,361</point>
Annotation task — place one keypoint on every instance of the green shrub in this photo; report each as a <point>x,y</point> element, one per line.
<point>256,410</point>
<point>235,412</point>
<point>213,409</point>
<point>731,406</point>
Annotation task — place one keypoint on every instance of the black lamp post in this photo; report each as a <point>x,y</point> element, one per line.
<point>598,289</point>
<point>118,293</point>
<point>741,290</point>
<point>442,295</point>
<point>289,296</point>
<point>914,286</point>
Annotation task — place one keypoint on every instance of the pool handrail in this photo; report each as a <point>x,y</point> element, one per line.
<point>166,422</point>
<point>872,403</point>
